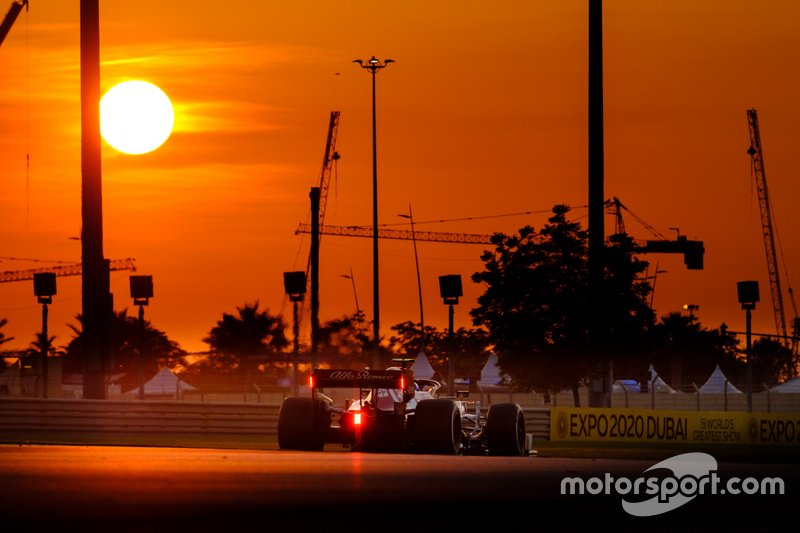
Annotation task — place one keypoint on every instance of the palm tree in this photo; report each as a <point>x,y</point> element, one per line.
<point>3,340</point>
<point>240,342</point>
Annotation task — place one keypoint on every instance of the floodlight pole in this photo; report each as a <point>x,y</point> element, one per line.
<point>45,350</point>
<point>601,397</point>
<point>96,295</point>
<point>295,345</point>
<point>294,283</point>
<point>373,65</point>
<point>450,290</point>
<point>141,292</point>
<point>451,352</point>
<point>749,356</point>
<point>44,288</point>
<point>141,351</point>
<point>748,296</point>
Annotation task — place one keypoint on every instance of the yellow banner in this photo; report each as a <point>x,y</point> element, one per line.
<point>641,425</point>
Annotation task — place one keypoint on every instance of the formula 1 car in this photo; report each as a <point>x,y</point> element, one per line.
<point>396,413</point>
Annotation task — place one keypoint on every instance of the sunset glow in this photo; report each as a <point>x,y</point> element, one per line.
<point>481,128</point>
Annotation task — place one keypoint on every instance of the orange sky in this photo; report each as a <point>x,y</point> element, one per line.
<point>484,113</point>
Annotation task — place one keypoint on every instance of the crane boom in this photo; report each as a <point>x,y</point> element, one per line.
<point>364,231</point>
<point>11,17</point>
<point>757,159</point>
<point>74,269</point>
<point>329,158</point>
<point>692,250</point>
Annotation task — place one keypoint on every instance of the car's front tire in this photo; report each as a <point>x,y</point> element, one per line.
<point>505,429</point>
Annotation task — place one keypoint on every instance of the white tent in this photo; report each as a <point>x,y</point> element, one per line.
<point>658,385</point>
<point>491,377</point>
<point>716,384</point>
<point>789,386</point>
<point>421,367</point>
<point>164,383</point>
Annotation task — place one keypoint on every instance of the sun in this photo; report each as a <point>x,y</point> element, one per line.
<point>136,117</point>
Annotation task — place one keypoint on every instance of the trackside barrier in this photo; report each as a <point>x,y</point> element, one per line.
<point>537,422</point>
<point>97,416</point>
<point>133,417</point>
<point>557,423</point>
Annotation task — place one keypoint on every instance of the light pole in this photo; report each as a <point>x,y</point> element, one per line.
<point>294,284</point>
<point>654,277</point>
<point>141,292</point>
<point>410,216</point>
<point>450,289</point>
<point>352,278</point>
<point>748,296</point>
<point>373,65</point>
<point>44,287</point>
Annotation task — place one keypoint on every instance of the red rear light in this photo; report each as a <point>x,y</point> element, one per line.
<point>402,383</point>
<point>311,381</point>
<point>357,419</point>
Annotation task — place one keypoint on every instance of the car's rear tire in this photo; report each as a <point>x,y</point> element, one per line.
<point>437,427</point>
<point>505,429</point>
<point>298,428</point>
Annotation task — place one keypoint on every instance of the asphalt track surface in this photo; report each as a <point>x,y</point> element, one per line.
<point>152,489</point>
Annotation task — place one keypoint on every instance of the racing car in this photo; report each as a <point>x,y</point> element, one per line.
<point>396,413</point>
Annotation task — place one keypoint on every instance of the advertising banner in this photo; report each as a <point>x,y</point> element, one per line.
<point>642,425</point>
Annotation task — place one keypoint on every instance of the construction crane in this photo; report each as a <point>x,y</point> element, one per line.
<point>69,269</point>
<point>329,159</point>
<point>692,251</point>
<point>11,17</point>
<point>757,168</point>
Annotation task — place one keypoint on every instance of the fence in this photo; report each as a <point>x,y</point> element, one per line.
<point>764,401</point>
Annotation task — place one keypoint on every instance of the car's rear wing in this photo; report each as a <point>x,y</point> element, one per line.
<point>362,379</point>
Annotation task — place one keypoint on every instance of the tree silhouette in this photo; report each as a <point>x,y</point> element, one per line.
<point>240,343</point>
<point>772,362</point>
<point>130,340</point>
<point>343,342</point>
<point>535,305</point>
<point>684,352</point>
<point>471,346</point>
